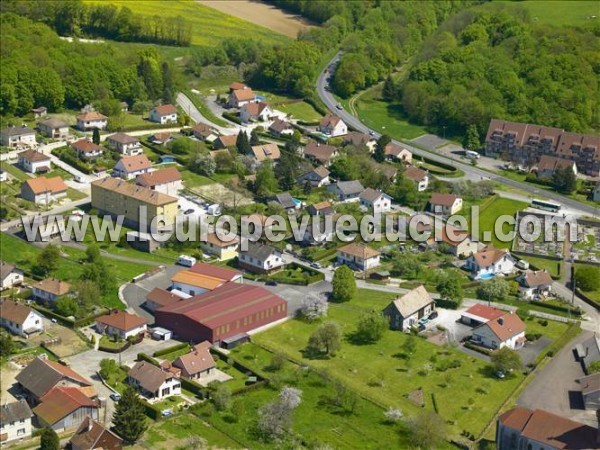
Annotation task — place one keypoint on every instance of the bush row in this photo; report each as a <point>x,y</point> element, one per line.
<point>447,303</point>
<point>173,348</point>
<point>125,346</point>
<point>64,155</point>
<point>232,117</point>
<point>189,385</point>
<point>570,333</point>
<point>575,311</point>
<point>478,348</point>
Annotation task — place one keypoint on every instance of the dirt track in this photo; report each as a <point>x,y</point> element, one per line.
<point>261,14</point>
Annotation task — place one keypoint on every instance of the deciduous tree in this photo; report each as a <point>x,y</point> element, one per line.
<point>344,284</point>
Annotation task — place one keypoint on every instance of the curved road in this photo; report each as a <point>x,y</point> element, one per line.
<point>356,123</point>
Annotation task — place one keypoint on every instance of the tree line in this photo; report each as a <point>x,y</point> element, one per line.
<point>75,18</point>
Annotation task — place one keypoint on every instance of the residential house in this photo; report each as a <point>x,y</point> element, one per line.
<point>153,382</point>
<point>394,152</point>
<point>54,129</point>
<point>205,133</point>
<point>358,139</point>
<point>317,177</point>
<point>42,375</point>
<point>405,312</point>
<point>92,435</point>
<point>10,276</point>
<point>346,191</point>
<point>193,283</point>
<point>525,429</point>
<point>224,250</point>
<point>590,391</point>
<point>534,284</point>
<point>240,97</point>
<point>358,256</point>
<point>255,112</point>
<point>157,298</point>
<point>198,363</point>
<point>332,126</point>
<point>236,85</point>
<point>15,421</point>
<point>22,136</point>
<point>318,231</point>
<point>417,176</point>
<point>261,258</point>
<point>19,319</point>
<point>489,262</point>
<point>124,144</point>
<point>87,150</point>
<point>281,128</point>
<point>388,171</point>
<point>524,144</point>
<point>588,352</point>
<point>479,314</point>
<point>445,204</point>
<point>318,153</point>
<point>458,242</point>
<point>34,161</point>
<point>507,330</point>
<point>65,408</point>
<point>90,120</point>
<point>223,316</point>
<point>163,114</point>
<point>549,164</point>
<point>48,227</point>
<point>39,112</point>
<point>320,209</point>
<point>121,324</point>
<point>225,141</point>
<point>129,167</point>
<point>375,201</point>
<point>50,289</point>
<point>266,151</point>
<point>161,138</point>
<point>286,201</point>
<point>168,181</point>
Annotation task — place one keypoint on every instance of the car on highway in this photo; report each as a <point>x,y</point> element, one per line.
<point>340,107</point>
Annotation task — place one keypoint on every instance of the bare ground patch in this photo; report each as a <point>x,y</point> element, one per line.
<point>261,14</point>
<point>217,193</point>
<point>60,340</point>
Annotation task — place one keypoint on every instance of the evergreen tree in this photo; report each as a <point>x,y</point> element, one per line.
<point>389,89</point>
<point>564,180</point>
<point>242,144</point>
<point>286,169</point>
<point>472,141</point>
<point>96,136</point>
<point>7,345</point>
<point>167,78</point>
<point>254,137</point>
<point>49,440</point>
<point>382,142</point>
<point>129,420</point>
<point>307,189</point>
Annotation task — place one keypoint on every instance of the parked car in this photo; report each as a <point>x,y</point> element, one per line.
<point>167,412</point>
<point>188,211</point>
<point>115,396</point>
<point>433,315</point>
<point>500,374</point>
<point>315,265</point>
<point>186,261</point>
<point>271,283</point>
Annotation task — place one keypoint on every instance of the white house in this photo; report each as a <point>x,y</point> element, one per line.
<point>535,284</point>
<point>164,114</point>
<point>90,120</point>
<point>505,331</point>
<point>153,382</point>
<point>255,112</point>
<point>221,249</point>
<point>445,204</point>
<point>240,97</point>
<point>121,324</point>
<point>417,176</point>
<point>394,152</point>
<point>50,289</point>
<point>87,150</point>
<point>15,421</point>
<point>358,256</point>
<point>376,201</point>
<point>168,181</point>
<point>406,311</point>
<point>18,136</point>
<point>34,161</point>
<point>281,128</point>
<point>316,177</point>
<point>489,262</point>
<point>130,167</point>
<point>19,319</point>
<point>10,276</point>
<point>261,258</point>
<point>332,126</point>
<point>42,190</point>
<point>124,144</point>
<point>54,129</point>
<point>39,112</point>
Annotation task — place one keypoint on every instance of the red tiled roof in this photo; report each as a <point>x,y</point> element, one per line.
<point>359,250</point>
<point>254,109</point>
<point>135,163</point>
<point>53,286</point>
<point>237,85</point>
<point>244,95</point>
<point>214,271</point>
<point>33,156</point>
<point>121,320</point>
<point>13,311</point>
<point>165,110</point>
<point>41,185</point>
<point>158,177</point>
<point>162,297</point>
<point>60,402</point>
<point>414,174</point>
<point>86,146</point>
<point>198,360</point>
<point>487,312</point>
<point>489,255</point>
<point>329,121</point>
<point>443,199</point>
<point>506,326</point>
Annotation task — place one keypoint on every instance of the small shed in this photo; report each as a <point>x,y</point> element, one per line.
<point>234,341</point>
<point>382,275</point>
<point>161,334</point>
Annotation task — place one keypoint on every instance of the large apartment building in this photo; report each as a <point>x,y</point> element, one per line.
<point>113,196</point>
<point>525,144</point>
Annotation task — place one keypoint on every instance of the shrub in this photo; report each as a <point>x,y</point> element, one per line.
<point>533,336</point>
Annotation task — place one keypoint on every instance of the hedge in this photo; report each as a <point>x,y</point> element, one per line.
<point>63,154</point>
<point>147,358</point>
<point>575,311</point>
<point>478,348</point>
<point>447,303</point>
<point>65,320</point>
<point>195,388</point>
<point>570,333</point>
<point>125,346</point>
<point>232,117</point>
<point>171,349</point>
<point>151,411</point>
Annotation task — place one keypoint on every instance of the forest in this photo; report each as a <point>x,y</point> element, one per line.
<point>38,68</point>
<point>74,18</point>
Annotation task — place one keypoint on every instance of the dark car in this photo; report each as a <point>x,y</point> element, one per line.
<point>271,283</point>
<point>433,315</point>
<point>188,211</point>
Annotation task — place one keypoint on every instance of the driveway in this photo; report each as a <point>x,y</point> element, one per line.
<point>554,388</point>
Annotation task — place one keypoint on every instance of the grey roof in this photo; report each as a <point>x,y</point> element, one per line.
<point>123,138</point>
<point>370,195</point>
<point>279,125</point>
<point>413,301</point>
<point>15,411</point>
<point>284,199</point>
<point>5,269</point>
<point>41,375</point>
<point>590,384</point>
<point>350,187</point>
<point>591,348</point>
<point>53,123</point>
<point>259,251</point>
<point>17,131</point>
<point>148,375</point>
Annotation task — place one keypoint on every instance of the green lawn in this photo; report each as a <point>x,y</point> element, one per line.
<point>387,365</point>
<point>569,12</point>
<point>552,266</point>
<point>385,117</point>
<point>300,110</point>
<point>199,103</point>
<point>14,171</point>
<point>209,26</point>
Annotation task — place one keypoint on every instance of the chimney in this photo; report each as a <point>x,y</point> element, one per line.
<point>501,321</point>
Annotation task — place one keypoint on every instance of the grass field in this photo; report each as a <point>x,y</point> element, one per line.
<point>385,117</point>
<point>390,375</point>
<point>569,12</point>
<point>209,26</point>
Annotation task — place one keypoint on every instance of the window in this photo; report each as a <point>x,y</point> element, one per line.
<point>20,431</point>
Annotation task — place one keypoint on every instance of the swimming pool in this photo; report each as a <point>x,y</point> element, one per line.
<point>486,276</point>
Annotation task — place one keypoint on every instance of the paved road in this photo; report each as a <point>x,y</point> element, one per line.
<point>356,123</point>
